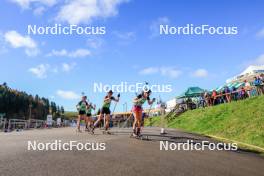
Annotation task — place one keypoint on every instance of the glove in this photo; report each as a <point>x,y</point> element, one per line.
<point>118,95</point>
<point>154,99</point>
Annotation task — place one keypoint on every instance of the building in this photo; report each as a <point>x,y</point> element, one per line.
<point>171,104</point>
<point>247,74</point>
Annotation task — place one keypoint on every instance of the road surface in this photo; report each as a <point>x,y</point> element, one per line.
<point>122,156</point>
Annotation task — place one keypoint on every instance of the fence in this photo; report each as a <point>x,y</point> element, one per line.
<point>2,123</point>
<point>17,124</point>
<point>20,124</point>
<point>34,123</point>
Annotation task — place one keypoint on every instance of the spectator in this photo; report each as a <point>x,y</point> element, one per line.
<point>202,101</point>
<point>221,98</point>
<point>227,92</point>
<point>261,77</point>
<point>207,99</point>
<point>247,88</point>
<point>257,82</point>
<point>234,93</point>
<point>242,93</point>
<point>214,97</point>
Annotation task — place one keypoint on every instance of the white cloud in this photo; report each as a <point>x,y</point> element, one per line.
<point>68,67</point>
<point>80,53</point>
<point>69,95</point>
<point>125,35</point>
<point>155,26</point>
<point>200,73</point>
<point>16,40</point>
<point>170,72</point>
<point>84,11</point>
<point>24,4</point>
<point>260,34</point>
<point>39,11</point>
<point>40,71</point>
<point>62,52</point>
<point>95,43</point>
<point>65,53</point>
<point>164,71</point>
<point>149,71</point>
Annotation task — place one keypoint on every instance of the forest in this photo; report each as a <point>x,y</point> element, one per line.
<point>17,104</point>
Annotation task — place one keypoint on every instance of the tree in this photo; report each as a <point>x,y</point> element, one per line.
<point>16,104</point>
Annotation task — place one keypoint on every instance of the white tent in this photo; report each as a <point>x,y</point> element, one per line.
<point>251,70</point>
<point>171,104</point>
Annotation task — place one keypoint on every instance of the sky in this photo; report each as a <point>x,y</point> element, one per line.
<point>61,67</point>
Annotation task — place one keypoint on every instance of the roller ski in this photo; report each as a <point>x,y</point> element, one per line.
<point>137,135</point>
<point>106,132</point>
<point>90,130</point>
<point>78,131</point>
<point>140,137</point>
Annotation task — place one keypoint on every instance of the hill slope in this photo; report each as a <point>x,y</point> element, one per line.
<point>242,121</point>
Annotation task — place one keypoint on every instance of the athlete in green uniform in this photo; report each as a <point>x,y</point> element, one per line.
<point>88,119</point>
<point>105,110</point>
<point>81,108</point>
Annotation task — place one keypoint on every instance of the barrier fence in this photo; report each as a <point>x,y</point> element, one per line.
<point>17,124</point>
<point>2,123</point>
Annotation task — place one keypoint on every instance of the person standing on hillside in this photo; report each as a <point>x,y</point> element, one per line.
<point>248,88</point>
<point>257,82</point>
<point>261,77</point>
<point>214,97</point>
<point>227,93</point>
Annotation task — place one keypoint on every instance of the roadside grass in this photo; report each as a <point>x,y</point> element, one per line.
<point>241,121</point>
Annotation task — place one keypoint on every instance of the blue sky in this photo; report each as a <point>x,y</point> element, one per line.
<point>60,67</point>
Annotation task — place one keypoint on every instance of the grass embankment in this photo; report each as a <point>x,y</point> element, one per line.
<point>241,121</point>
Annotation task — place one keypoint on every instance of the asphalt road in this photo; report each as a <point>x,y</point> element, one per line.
<point>122,156</point>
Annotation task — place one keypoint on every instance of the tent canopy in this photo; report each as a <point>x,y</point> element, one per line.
<point>192,92</point>
<point>230,86</point>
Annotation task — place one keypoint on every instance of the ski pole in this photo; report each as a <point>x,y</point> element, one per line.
<point>118,96</point>
<point>150,108</point>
